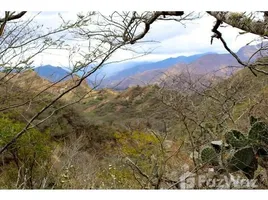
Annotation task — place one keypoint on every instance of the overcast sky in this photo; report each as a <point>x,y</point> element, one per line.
<point>173,38</point>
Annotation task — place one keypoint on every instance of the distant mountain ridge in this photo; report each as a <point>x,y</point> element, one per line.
<point>52,73</point>
<point>142,73</point>
<point>220,64</point>
<point>151,66</point>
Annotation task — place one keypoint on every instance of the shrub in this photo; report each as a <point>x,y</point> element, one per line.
<point>28,156</point>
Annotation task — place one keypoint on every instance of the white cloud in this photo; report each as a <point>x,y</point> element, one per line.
<point>196,38</point>
<point>52,57</point>
<point>174,39</point>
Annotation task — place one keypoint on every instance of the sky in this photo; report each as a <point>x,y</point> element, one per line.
<point>172,39</point>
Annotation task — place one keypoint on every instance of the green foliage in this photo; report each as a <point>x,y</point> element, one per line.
<point>104,109</point>
<point>93,102</point>
<point>31,150</point>
<point>209,156</point>
<point>32,141</point>
<point>240,108</point>
<point>143,149</point>
<point>67,121</point>
<point>237,17</point>
<point>115,176</point>
<point>136,144</point>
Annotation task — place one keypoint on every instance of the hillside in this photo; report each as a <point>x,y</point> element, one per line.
<point>146,124</point>
<point>148,100</point>
<point>137,106</point>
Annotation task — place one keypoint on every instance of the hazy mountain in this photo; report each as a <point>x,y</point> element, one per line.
<point>149,66</point>
<point>219,64</point>
<point>245,52</point>
<point>115,71</point>
<point>115,68</point>
<point>110,70</point>
<point>125,74</point>
<point>51,73</point>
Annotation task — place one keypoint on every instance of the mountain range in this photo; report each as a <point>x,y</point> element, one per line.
<point>143,73</point>
<point>52,73</point>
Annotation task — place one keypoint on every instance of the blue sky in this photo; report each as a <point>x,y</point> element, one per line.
<point>173,39</point>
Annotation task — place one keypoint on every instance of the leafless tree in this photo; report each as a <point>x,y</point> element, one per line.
<point>103,34</point>
<point>252,22</point>
<point>97,37</point>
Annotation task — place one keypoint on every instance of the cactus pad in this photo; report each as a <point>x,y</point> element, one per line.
<point>258,134</point>
<point>242,159</point>
<point>236,139</point>
<point>209,156</point>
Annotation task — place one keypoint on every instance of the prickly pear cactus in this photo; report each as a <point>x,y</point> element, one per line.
<point>242,159</point>
<point>236,139</point>
<point>253,120</point>
<point>238,153</point>
<point>258,134</point>
<point>209,156</point>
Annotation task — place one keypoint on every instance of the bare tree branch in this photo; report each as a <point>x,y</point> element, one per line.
<point>243,22</point>
<point>9,17</point>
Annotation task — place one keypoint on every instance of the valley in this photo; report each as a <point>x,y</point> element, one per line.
<point>109,134</point>
<point>186,112</point>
